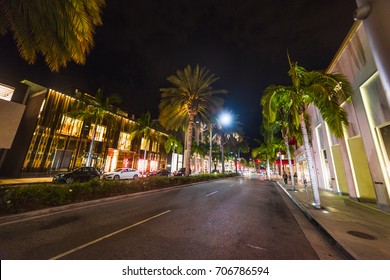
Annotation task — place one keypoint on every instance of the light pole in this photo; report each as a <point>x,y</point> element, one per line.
<point>225,119</point>
<point>211,146</point>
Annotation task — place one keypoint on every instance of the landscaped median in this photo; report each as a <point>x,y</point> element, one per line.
<point>19,199</point>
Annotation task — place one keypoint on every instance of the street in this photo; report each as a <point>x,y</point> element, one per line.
<point>237,218</point>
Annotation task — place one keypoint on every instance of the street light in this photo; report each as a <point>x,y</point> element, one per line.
<point>211,146</point>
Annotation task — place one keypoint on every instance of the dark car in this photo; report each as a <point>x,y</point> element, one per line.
<point>181,172</point>
<point>81,174</point>
<point>161,172</point>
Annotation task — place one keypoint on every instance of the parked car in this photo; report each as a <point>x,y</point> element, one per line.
<point>161,172</point>
<point>180,172</point>
<point>122,174</point>
<point>79,174</point>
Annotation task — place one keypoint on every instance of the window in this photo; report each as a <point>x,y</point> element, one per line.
<point>6,92</point>
<point>100,132</point>
<point>70,126</point>
<point>124,142</point>
<point>145,144</point>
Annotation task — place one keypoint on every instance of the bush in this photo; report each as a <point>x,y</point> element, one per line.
<point>38,196</point>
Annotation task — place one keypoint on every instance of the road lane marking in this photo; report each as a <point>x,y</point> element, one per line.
<point>107,236</point>
<point>256,247</point>
<point>231,185</point>
<point>212,193</point>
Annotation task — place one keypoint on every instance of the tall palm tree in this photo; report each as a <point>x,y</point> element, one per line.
<point>142,130</point>
<point>191,96</point>
<point>97,111</point>
<point>325,91</point>
<point>61,31</point>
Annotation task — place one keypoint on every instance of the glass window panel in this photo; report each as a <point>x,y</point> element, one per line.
<point>70,126</point>
<point>100,133</point>
<point>124,142</point>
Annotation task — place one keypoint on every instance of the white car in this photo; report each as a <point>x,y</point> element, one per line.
<point>122,174</point>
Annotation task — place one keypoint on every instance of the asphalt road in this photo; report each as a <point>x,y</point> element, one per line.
<point>238,218</point>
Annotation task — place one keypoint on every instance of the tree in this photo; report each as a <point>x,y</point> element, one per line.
<point>192,96</point>
<point>97,111</point>
<point>142,130</point>
<point>61,31</point>
<point>287,128</point>
<point>268,149</point>
<point>226,131</point>
<point>236,144</point>
<point>325,91</point>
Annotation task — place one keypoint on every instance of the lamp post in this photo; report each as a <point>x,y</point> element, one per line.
<point>211,146</point>
<point>225,119</point>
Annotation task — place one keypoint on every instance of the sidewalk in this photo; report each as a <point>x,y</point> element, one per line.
<point>359,230</point>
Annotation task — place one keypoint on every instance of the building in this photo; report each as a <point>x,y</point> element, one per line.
<point>39,137</point>
<point>359,164</point>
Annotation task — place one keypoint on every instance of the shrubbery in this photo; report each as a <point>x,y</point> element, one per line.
<point>18,199</point>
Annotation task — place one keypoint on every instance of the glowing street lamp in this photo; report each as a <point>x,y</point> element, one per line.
<point>225,119</point>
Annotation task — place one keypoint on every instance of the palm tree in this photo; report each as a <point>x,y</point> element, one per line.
<point>97,111</point>
<point>142,130</point>
<point>236,144</point>
<point>325,91</point>
<point>268,149</point>
<point>61,31</point>
<point>286,125</point>
<point>192,96</point>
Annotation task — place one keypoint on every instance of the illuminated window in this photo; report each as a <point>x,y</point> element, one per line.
<point>100,133</point>
<point>6,92</point>
<point>155,147</point>
<point>124,142</point>
<point>145,144</point>
<point>70,126</point>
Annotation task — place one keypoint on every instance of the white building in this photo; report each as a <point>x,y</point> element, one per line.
<point>359,164</point>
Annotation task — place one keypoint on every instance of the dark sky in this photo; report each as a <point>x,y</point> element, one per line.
<point>142,42</point>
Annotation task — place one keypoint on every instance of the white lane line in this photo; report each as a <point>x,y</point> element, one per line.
<point>107,236</point>
<point>212,193</point>
<point>256,247</point>
<point>231,185</point>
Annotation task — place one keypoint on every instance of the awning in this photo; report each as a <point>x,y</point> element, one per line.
<point>284,161</point>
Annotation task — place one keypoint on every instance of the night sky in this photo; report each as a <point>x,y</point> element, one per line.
<point>142,42</point>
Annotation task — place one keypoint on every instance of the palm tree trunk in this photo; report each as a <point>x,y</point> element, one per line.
<point>313,175</point>
<point>89,160</point>
<point>289,162</point>
<point>187,153</point>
